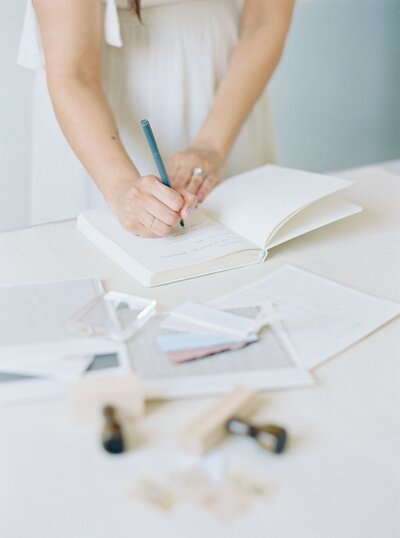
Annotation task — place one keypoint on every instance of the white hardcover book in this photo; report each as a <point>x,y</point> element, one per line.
<point>241,219</point>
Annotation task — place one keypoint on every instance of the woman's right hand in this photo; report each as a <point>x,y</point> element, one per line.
<point>148,208</point>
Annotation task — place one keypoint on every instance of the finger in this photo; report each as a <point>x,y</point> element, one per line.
<point>171,171</point>
<point>206,187</point>
<point>134,224</point>
<point>142,231</point>
<point>170,197</point>
<point>190,202</point>
<point>156,226</point>
<point>153,206</point>
<point>132,217</point>
<point>162,212</point>
<point>182,176</point>
<point>194,184</point>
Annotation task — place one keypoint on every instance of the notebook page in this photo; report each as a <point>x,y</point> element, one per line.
<point>321,213</point>
<point>256,203</point>
<point>201,240</point>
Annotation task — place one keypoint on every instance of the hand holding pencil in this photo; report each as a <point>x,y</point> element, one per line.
<point>149,207</point>
<point>156,155</point>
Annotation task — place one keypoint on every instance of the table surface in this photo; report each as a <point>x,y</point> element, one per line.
<point>340,477</point>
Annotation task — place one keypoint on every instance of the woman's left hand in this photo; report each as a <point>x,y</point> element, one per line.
<point>196,169</point>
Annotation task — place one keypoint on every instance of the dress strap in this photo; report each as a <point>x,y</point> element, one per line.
<point>112,28</point>
<point>30,53</point>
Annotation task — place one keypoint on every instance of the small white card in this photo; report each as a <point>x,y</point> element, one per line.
<point>198,318</point>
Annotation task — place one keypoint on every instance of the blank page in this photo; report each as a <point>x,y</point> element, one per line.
<point>256,203</point>
<point>315,216</point>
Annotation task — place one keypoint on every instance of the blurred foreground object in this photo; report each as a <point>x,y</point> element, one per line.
<point>269,436</point>
<point>112,435</point>
<point>92,394</point>
<point>210,428</point>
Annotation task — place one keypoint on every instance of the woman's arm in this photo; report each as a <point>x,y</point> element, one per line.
<point>71,33</point>
<point>264,27</point>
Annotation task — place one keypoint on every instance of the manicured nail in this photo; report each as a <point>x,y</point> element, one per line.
<point>200,198</point>
<point>188,212</point>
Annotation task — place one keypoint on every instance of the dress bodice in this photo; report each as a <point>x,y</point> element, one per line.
<point>30,53</point>
<point>124,4</point>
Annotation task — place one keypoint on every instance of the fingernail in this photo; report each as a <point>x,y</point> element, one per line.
<point>200,198</point>
<point>188,212</point>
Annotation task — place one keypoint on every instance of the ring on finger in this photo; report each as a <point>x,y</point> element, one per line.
<point>197,171</point>
<point>151,224</point>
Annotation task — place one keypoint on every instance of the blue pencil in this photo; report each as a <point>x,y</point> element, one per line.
<point>156,155</point>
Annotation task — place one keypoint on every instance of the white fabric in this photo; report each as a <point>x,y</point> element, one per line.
<point>30,53</point>
<point>112,29</point>
<point>167,71</point>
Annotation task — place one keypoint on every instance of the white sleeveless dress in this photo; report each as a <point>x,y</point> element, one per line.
<point>166,70</point>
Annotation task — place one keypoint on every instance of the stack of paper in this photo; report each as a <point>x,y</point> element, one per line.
<point>197,331</point>
<point>38,355</point>
<point>315,319</point>
<point>194,331</point>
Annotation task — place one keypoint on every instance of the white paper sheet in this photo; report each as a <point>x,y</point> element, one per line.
<point>23,388</point>
<point>33,320</point>
<point>68,368</point>
<point>32,315</point>
<point>38,355</point>
<point>209,320</point>
<point>321,317</point>
<point>41,380</point>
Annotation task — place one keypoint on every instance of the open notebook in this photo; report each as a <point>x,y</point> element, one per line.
<point>241,219</point>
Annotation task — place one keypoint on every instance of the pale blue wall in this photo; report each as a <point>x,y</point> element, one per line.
<point>336,94</point>
<point>15,119</point>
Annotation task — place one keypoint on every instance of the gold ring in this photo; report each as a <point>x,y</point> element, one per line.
<point>151,224</point>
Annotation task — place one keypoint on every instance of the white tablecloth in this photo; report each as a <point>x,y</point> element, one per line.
<point>339,479</point>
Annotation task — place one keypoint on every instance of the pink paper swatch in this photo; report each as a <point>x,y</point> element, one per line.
<point>191,354</point>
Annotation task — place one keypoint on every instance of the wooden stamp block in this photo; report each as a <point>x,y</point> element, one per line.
<point>89,396</point>
<point>210,428</point>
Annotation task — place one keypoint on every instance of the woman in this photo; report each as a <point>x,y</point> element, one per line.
<point>194,68</point>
